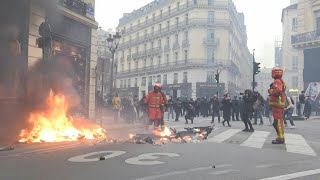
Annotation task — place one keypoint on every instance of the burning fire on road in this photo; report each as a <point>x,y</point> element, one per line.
<point>54,124</point>
<point>166,135</point>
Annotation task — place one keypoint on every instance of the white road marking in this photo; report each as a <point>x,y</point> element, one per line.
<point>182,172</point>
<point>257,139</point>
<point>139,160</point>
<point>82,158</point>
<point>224,136</point>
<point>295,143</point>
<point>217,173</point>
<point>294,175</point>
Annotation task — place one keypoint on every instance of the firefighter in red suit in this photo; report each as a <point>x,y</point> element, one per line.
<point>154,99</point>
<point>277,103</point>
<point>163,107</point>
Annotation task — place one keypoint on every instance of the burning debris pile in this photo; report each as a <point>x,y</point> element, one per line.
<point>194,134</point>
<point>54,124</point>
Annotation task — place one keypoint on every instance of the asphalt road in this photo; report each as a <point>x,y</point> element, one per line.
<point>227,154</point>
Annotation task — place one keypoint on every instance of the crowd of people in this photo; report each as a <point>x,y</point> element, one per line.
<point>154,108</point>
<point>132,109</point>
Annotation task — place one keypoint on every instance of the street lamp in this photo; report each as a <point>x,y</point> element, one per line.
<point>113,43</point>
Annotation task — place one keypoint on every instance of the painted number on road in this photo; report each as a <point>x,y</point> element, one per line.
<point>144,159</point>
<point>84,157</point>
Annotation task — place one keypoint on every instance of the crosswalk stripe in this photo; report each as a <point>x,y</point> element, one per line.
<point>295,143</point>
<point>224,136</point>
<point>257,139</point>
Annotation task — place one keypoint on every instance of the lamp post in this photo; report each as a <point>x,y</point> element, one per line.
<point>253,73</point>
<point>113,43</point>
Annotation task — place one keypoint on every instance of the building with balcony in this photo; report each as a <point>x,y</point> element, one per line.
<point>307,39</point>
<point>291,63</point>
<point>264,80</point>
<point>182,44</point>
<point>74,36</point>
<point>278,52</point>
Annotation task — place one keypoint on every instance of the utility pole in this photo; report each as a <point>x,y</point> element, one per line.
<point>102,88</point>
<point>253,73</point>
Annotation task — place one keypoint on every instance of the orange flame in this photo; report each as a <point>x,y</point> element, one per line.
<point>54,125</point>
<point>164,133</point>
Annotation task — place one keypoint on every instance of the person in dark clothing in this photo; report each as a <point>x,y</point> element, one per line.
<point>184,106</point>
<point>210,106</point>
<point>247,108</point>
<point>197,107</point>
<point>266,108</point>
<point>143,108</point>
<point>259,109</point>
<point>177,108</point>
<point>235,108</point>
<point>202,106</point>
<point>302,102</point>
<point>192,102</point>
<point>215,108</point>
<point>307,108</point>
<point>226,108</point>
<point>205,107</point>
<point>189,113</point>
<point>241,104</point>
<point>170,108</point>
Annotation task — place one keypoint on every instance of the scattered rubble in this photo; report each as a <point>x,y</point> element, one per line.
<point>6,148</point>
<point>195,135</point>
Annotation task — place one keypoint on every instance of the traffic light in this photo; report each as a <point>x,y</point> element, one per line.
<point>256,68</point>
<point>217,77</point>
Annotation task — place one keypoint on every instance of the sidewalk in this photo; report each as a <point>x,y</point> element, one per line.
<point>315,118</point>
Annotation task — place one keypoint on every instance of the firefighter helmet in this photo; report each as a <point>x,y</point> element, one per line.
<point>157,87</point>
<point>277,72</point>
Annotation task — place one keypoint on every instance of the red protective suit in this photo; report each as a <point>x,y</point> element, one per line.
<point>163,109</point>
<point>154,101</point>
<point>277,103</point>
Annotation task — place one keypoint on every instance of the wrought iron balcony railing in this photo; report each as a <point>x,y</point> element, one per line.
<point>173,28</point>
<point>306,37</point>
<point>176,64</point>
<point>74,5</point>
<point>188,5</point>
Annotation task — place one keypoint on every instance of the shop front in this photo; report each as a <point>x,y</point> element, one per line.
<point>210,89</point>
<point>125,92</point>
<point>71,43</point>
<point>181,90</point>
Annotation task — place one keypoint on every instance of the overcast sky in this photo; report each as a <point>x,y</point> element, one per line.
<point>263,20</point>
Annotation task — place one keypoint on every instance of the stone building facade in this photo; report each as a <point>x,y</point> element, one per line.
<point>182,44</point>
